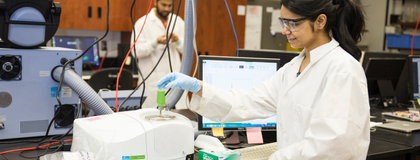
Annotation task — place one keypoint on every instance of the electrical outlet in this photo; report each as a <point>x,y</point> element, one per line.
<point>104,46</point>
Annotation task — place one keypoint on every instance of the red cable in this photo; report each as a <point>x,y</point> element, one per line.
<point>103,58</point>
<point>102,61</point>
<point>32,148</point>
<point>122,65</point>
<point>412,42</point>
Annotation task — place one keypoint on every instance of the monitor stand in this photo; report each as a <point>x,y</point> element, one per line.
<point>387,93</point>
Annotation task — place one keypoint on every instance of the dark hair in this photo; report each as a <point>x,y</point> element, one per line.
<point>346,20</point>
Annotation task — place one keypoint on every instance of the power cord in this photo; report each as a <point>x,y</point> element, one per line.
<point>57,147</point>
<point>234,31</point>
<point>133,46</point>
<point>48,130</point>
<point>168,39</point>
<point>150,72</point>
<point>135,53</point>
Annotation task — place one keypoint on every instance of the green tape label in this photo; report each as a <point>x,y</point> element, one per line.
<point>133,157</point>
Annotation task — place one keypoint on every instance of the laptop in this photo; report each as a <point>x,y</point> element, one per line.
<point>404,126</point>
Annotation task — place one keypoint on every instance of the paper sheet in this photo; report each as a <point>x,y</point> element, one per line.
<point>253,25</point>
<point>218,132</point>
<point>241,10</point>
<point>234,139</point>
<point>275,23</point>
<point>254,135</point>
<point>270,9</point>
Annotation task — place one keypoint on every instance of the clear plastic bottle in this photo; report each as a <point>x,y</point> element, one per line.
<point>416,11</point>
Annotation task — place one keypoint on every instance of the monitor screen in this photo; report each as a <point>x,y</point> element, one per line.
<point>415,77</point>
<point>284,56</point>
<point>238,73</point>
<point>91,57</point>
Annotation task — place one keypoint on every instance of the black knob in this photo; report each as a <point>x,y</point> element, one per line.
<point>129,108</point>
<point>120,109</point>
<point>113,109</point>
<point>63,60</point>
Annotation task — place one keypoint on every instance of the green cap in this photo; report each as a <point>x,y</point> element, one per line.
<point>161,98</point>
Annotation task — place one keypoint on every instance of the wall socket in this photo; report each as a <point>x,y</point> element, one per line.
<point>104,46</point>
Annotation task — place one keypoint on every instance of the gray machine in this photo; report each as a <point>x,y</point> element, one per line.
<point>131,104</point>
<point>27,92</point>
<point>29,73</point>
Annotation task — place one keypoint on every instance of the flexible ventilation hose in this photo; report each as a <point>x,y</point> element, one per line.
<point>77,84</point>
<point>188,55</point>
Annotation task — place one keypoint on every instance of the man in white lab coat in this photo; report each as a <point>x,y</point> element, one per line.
<point>152,43</point>
<point>320,97</point>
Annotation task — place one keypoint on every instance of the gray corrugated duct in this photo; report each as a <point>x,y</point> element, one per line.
<point>188,55</point>
<point>77,84</point>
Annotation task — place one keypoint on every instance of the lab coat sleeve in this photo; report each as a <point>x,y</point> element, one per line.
<point>145,45</point>
<point>339,125</point>
<point>237,105</point>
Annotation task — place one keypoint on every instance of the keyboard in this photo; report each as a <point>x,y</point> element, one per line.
<point>258,152</point>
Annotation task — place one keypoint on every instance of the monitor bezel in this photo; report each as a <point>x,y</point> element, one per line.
<point>367,54</point>
<point>267,53</point>
<point>368,64</point>
<point>411,80</point>
<point>200,77</point>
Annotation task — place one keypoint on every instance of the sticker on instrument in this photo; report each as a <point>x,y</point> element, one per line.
<point>66,92</point>
<point>44,73</point>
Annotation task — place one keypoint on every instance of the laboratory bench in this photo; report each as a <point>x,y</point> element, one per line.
<point>384,144</point>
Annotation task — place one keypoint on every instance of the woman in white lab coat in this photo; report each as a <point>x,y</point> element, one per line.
<point>320,97</point>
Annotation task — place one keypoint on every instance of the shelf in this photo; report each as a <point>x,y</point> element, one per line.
<point>401,41</point>
<point>405,23</point>
<point>404,49</point>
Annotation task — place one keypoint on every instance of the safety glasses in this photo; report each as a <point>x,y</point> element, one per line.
<point>291,23</point>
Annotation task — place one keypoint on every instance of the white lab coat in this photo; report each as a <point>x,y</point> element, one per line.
<point>149,52</point>
<point>321,114</point>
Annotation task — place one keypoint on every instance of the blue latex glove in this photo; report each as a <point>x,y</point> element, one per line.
<point>179,80</point>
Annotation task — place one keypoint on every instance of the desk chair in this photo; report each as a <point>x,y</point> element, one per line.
<point>107,79</point>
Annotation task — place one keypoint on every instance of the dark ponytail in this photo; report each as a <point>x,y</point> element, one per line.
<point>345,18</point>
<point>351,23</point>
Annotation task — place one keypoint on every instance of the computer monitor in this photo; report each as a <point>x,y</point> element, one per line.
<point>239,73</point>
<point>414,89</point>
<point>367,55</point>
<point>285,56</point>
<point>384,73</point>
<point>91,57</point>
<point>400,85</point>
<point>129,64</point>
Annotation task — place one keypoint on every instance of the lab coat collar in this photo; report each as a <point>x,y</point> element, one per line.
<point>316,55</point>
<point>155,19</point>
<point>321,51</point>
<point>152,15</point>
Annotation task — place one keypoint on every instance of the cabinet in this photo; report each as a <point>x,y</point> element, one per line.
<point>91,14</point>
<point>214,31</point>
